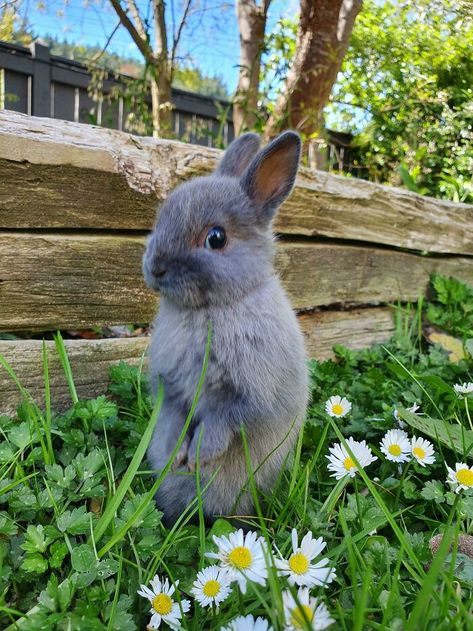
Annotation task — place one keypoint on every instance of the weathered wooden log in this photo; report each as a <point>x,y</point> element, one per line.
<point>76,201</point>
<point>355,329</point>
<point>91,359</point>
<point>58,174</point>
<point>60,281</point>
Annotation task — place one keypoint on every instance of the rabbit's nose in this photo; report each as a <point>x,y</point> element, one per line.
<point>159,270</point>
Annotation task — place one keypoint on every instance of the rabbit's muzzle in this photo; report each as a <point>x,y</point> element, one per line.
<point>154,268</point>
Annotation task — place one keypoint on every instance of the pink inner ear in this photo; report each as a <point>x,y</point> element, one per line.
<point>273,174</point>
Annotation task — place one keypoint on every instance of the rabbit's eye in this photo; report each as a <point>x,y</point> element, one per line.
<point>215,239</point>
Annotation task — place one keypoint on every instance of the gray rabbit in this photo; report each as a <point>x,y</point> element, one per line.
<point>210,256</point>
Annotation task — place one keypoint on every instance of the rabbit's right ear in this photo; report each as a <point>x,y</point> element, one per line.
<point>239,155</point>
<point>271,175</point>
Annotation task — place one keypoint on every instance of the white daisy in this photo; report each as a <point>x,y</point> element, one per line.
<point>336,406</point>
<point>247,623</point>
<point>463,389</point>
<point>163,607</point>
<point>395,445</point>
<point>211,586</point>
<point>462,477</point>
<point>422,450</point>
<point>412,409</point>
<point>298,567</point>
<point>342,464</point>
<point>306,612</point>
<point>242,557</point>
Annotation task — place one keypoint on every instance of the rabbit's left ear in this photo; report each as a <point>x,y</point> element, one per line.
<point>269,178</point>
<point>239,155</point>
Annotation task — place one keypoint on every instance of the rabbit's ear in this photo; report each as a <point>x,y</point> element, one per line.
<point>270,177</point>
<point>239,155</point>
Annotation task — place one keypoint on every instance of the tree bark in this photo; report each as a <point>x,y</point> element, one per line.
<point>162,75</point>
<point>157,60</point>
<point>322,39</point>
<point>161,104</point>
<point>252,24</point>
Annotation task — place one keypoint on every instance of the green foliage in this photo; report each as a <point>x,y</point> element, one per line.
<point>13,28</point>
<point>190,78</point>
<point>451,308</point>
<point>51,566</point>
<point>86,53</point>
<point>406,83</point>
<point>74,547</point>
<point>279,50</point>
<point>405,92</point>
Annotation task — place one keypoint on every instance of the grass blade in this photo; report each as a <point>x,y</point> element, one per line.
<point>149,496</point>
<point>117,499</point>
<point>66,366</point>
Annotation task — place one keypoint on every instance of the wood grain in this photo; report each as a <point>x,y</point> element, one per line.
<point>62,196</point>
<point>91,359</point>
<point>51,281</point>
<point>355,329</point>
<point>57,174</point>
<point>90,362</point>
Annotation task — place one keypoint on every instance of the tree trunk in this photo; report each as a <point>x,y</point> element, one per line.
<point>161,105</point>
<point>157,59</point>
<point>322,39</point>
<point>251,24</point>
<point>162,75</point>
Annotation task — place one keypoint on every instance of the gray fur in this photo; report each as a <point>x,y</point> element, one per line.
<point>239,155</point>
<point>257,374</point>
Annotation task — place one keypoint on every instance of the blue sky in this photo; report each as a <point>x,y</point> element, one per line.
<point>211,41</point>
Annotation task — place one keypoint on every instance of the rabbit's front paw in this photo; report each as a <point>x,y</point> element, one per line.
<point>181,454</point>
<point>211,447</point>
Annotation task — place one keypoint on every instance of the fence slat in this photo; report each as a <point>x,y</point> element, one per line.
<point>50,281</point>
<point>84,156</point>
<point>91,359</point>
<point>41,80</point>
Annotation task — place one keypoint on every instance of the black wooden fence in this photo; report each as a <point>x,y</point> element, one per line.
<point>35,82</point>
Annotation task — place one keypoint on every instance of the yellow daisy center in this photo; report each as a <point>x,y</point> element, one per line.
<point>419,452</point>
<point>300,615</point>
<point>337,408</point>
<point>211,588</point>
<point>465,477</point>
<point>240,557</point>
<point>299,563</point>
<point>394,450</point>
<point>162,604</point>
<point>348,463</point>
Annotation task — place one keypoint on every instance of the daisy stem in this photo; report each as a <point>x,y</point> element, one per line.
<point>331,501</point>
<point>401,481</point>
<point>468,412</point>
<point>241,604</point>
<point>358,507</point>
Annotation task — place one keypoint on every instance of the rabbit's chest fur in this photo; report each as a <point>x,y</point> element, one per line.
<point>256,350</point>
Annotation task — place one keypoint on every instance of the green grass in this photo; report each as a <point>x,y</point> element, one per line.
<point>79,531</point>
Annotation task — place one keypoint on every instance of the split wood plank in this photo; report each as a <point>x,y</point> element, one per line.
<point>58,174</point>
<point>91,359</point>
<point>61,281</point>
